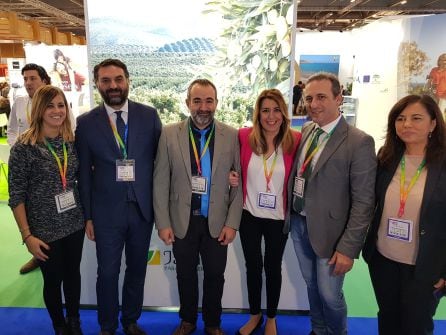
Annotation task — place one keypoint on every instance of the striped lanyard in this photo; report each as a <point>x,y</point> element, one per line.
<point>203,150</point>
<point>62,169</point>
<point>118,137</point>
<point>314,152</point>
<point>269,175</point>
<point>404,193</point>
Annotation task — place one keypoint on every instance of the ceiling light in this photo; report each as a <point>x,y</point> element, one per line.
<point>403,2</point>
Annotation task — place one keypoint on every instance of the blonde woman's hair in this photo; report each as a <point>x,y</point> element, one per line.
<point>41,100</point>
<point>284,138</point>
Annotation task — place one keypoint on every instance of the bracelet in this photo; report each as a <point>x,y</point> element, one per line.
<point>26,237</point>
<point>24,229</point>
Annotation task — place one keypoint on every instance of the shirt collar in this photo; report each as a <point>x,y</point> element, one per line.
<point>330,126</point>
<point>110,110</point>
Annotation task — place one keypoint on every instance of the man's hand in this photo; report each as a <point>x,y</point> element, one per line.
<point>343,264</point>
<point>166,235</point>
<point>89,230</point>
<point>227,235</point>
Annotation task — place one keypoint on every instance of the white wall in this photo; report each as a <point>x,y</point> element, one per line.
<point>371,50</point>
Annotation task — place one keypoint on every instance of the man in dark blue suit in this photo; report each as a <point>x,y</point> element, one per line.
<point>116,144</point>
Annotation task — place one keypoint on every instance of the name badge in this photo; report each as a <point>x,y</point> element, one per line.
<point>65,201</point>
<point>299,187</point>
<point>400,229</point>
<point>266,200</point>
<point>199,185</point>
<point>125,170</point>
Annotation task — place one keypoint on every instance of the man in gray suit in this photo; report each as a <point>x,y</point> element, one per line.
<point>195,209</point>
<point>333,199</point>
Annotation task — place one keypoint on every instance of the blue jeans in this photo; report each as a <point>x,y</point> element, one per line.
<point>328,310</point>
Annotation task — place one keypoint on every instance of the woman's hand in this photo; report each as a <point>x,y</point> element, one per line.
<point>440,283</point>
<point>234,178</point>
<point>35,246</point>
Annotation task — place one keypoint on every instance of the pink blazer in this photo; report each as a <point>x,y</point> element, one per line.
<point>245,156</point>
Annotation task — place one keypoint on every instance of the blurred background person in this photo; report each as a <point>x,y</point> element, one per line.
<point>437,82</point>
<point>5,107</point>
<point>44,198</point>
<point>267,151</point>
<point>406,244</point>
<point>297,96</point>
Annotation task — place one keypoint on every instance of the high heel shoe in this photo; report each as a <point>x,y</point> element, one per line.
<point>258,325</point>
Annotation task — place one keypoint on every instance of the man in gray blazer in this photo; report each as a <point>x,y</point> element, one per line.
<point>195,209</point>
<point>333,199</point>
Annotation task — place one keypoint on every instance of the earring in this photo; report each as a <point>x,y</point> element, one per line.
<point>430,134</point>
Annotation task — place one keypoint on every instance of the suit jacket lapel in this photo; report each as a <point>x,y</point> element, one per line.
<point>337,137</point>
<point>103,124</point>
<point>183,140</point>
<point>219,142</point>
<point>133,121</point>
<point>305,134</point>
<point>433,174</point>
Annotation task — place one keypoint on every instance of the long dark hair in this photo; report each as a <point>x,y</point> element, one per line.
<point>394,146</point>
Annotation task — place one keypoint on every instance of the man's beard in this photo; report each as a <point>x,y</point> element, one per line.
<point>115,100</point>
<point>202,119</point>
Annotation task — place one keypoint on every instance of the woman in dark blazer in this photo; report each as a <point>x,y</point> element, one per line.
<point>406,244</point>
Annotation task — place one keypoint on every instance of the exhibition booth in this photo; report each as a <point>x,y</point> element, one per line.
<point>371,59</point>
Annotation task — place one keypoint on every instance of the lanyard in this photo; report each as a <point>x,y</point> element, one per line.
<point>118,137</point>
<point>404,193</point>
<point>269,175</point>
<point>62,170</point>
<point>28,115</point>
<point>203,150</point>
<point>314,152</point>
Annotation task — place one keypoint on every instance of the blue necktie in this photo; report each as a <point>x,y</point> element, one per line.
<point>298,203</point>
<point>120,126</point>
<point>205,172</point>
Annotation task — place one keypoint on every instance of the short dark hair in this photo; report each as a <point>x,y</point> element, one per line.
<point>40,70</point>
<point>110,62</point>
<point>201,82</point>
<point>335,85</point>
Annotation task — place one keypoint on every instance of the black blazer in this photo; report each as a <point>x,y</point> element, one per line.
<point>431,260</point>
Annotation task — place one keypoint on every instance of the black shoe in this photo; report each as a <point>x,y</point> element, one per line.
<point>74,326</point>
<point>133,329</point>
<point>106,332</point>
<point>258,325</point>
<point>61,330</point>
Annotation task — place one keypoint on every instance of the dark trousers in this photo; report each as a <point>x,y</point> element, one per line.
<point>406,304</point>
<point>199,243</point>
<point>134,233</point>
<point>252,229</point>
<point>63,267</point>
